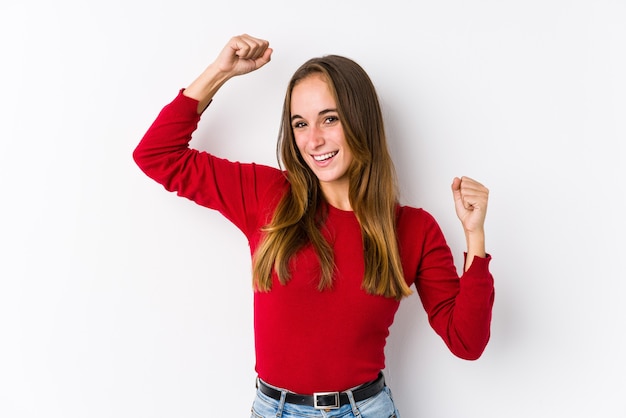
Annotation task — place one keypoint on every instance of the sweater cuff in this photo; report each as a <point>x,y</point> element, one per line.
<point>479,266</point>
<point>189,102</point>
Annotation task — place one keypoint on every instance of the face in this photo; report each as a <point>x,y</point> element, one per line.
<point>319,134</point>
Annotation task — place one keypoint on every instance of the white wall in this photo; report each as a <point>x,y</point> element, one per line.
<point>118,299</point>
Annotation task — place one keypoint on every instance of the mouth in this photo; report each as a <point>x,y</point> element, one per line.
<point>325,157</point>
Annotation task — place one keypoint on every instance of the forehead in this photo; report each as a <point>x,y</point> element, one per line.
<point>311,91</point>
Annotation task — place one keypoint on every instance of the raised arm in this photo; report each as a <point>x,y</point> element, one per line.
<point>241,55</point>
<point>164,153</point>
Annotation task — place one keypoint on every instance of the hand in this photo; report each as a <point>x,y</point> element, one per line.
<point>243,54</point>
<point>470,199</point>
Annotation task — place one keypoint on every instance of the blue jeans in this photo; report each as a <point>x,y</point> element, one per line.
<point>378,406</point>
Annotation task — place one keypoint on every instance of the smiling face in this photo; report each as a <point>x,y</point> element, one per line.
<point>320,137</point>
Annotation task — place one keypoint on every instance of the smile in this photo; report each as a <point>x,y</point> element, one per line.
<point>324,157</point>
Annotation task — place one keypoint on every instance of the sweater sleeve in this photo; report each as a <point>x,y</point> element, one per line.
<point>232,188</point>
<point>459,308</point>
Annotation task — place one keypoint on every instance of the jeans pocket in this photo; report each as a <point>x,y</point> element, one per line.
<point>263,406</point>
<point>379,406</point>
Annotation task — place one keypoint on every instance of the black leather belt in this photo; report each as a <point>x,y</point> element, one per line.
<point>326,400</point>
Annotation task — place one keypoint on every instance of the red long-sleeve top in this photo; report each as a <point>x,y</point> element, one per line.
<point>308,340</point>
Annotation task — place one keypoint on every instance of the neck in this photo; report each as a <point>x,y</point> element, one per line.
<point>337,196</point>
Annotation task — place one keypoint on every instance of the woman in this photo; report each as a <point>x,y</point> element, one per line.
<point>333,251</point>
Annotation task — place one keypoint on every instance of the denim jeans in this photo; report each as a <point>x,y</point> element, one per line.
<point>378,406</point>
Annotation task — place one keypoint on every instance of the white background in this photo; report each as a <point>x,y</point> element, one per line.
<point>118,299</point>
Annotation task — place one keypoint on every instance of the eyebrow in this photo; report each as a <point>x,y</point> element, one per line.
<point>322,113</point>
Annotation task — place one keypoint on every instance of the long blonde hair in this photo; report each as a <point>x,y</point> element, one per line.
<point>300,214</point>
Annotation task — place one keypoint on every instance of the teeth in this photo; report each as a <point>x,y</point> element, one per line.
<point>325,156</point>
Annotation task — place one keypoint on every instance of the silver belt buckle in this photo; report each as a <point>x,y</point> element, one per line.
<point>335,405</point>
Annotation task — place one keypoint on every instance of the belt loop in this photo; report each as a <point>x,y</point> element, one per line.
<point>355,409</point>
<point>281,403</point>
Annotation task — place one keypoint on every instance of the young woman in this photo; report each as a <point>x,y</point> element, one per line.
<point>333,251</point>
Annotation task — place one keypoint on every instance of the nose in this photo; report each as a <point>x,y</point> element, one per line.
<point>316,137</point>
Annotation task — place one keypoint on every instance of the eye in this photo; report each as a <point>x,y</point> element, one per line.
<point>298,124</point>
<point>331,119</point>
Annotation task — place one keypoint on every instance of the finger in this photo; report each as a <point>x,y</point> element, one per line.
<point>469,186</point>
<point>456,184</point>
<point>459,202</point>
<point>267,57</point>
<point>473,194</point>
<point>456,188</point>
<point>248,47</point>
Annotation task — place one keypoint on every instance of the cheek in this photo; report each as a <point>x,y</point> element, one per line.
<point>348,155</point>
<point>343,143</point>
<point>299,145</point>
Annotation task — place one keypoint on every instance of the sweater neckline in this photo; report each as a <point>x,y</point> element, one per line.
<point>334,211</point>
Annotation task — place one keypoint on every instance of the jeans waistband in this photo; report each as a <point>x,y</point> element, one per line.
<point>325,400</point>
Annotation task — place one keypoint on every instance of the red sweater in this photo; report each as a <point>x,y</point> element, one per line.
<point>306,340</point>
